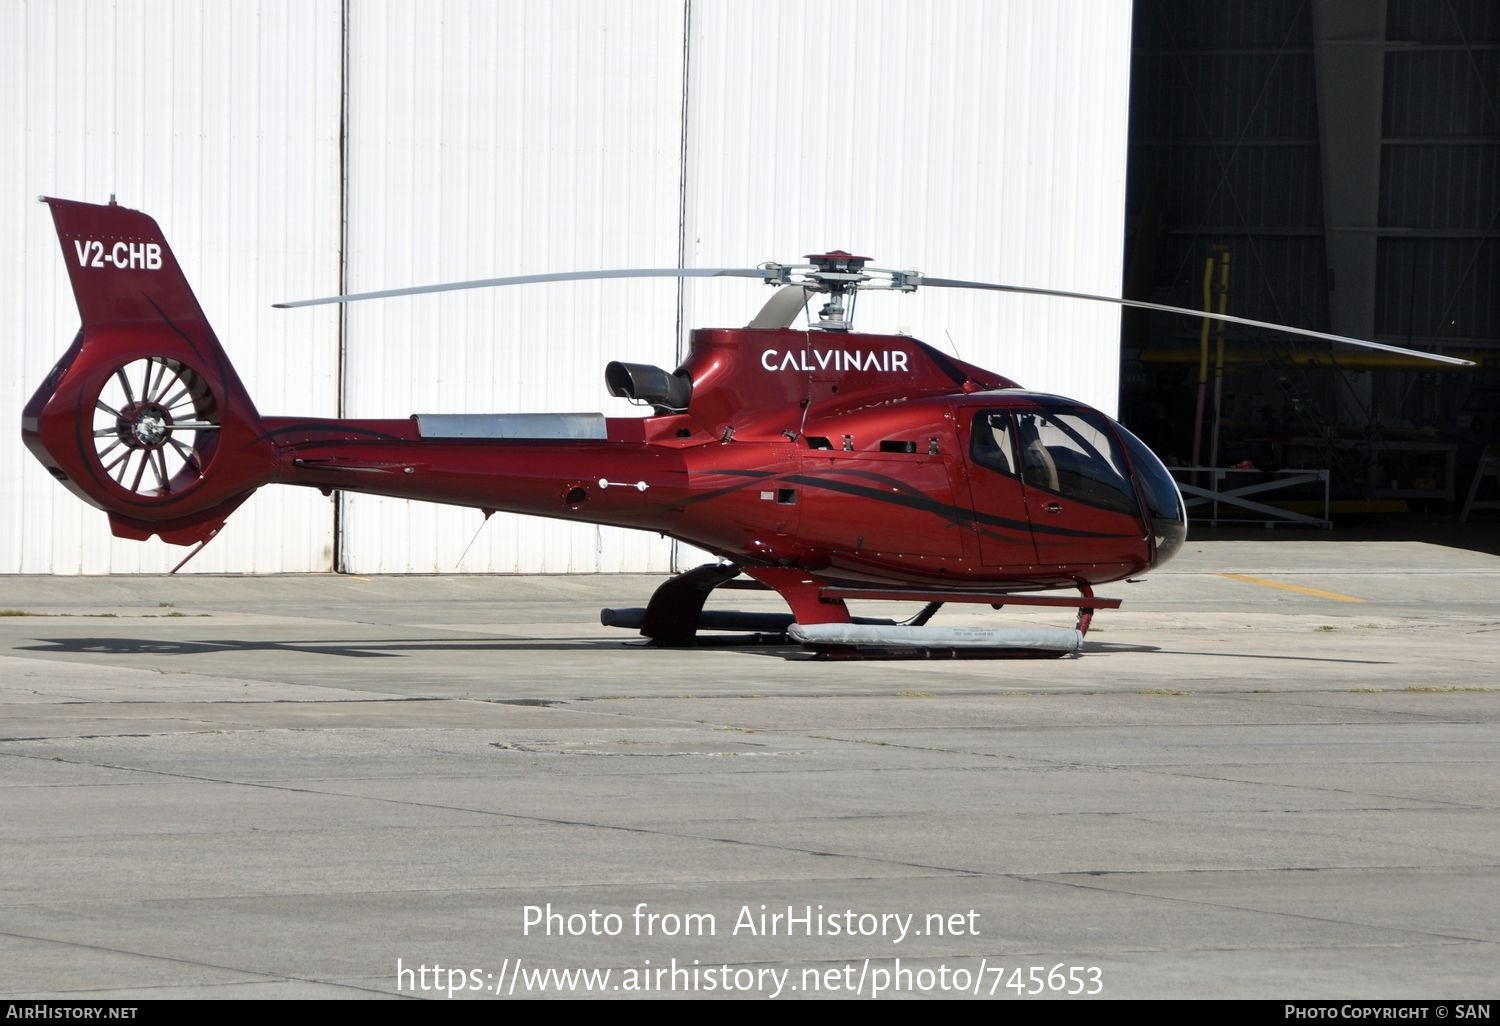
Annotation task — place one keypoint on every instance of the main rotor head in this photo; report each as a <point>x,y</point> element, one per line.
<point>837,274</point>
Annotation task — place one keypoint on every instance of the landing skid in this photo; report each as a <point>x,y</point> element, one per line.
<point>843,653</point>
<point>820,621</point>
<point>675,614</point>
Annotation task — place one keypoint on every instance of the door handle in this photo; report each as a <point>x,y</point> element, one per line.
<point>1052,507</point>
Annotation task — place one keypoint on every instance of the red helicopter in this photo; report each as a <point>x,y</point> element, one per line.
<point>825,464</point>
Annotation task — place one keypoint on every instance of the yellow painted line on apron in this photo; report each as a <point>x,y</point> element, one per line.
<point>1299,589</point>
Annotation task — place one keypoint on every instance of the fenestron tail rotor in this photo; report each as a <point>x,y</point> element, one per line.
<point>155,427</point>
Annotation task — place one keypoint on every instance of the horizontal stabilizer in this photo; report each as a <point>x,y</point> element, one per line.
<point>526,426</point>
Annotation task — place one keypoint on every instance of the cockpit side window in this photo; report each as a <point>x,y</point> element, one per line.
<point>1073,455</point>
<point>990,444</point>
<point>1038,466</point>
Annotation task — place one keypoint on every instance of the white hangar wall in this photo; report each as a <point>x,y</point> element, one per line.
<point>969,139</point>
<point>494,139</point>
<point>222,122</point>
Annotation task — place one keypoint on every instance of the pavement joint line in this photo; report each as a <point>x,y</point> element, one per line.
<point>1231,906</point>
<point>1041,765</point>
<point>175,959</point>
<point>1061,878</point>
<point>1168,770</point>
<point>518,888</point>
<point>1429,804</point>
<point>529,818</point>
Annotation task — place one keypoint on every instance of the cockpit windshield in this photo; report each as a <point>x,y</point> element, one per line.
<point>1163,499</point>
<point>1075,454</point>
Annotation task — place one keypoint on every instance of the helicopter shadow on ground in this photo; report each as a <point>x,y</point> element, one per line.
<point>395,648</point>
<point>760,645</point>
<point>384,649</point>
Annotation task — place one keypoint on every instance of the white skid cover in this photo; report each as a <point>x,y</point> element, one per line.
<point>1049,639</point>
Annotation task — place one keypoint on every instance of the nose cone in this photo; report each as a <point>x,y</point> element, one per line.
<point>1163,500</point>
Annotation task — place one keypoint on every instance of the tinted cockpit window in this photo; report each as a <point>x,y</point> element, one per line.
<point>990,444</point>
<point>1163,500</point>
<point>1076,455</point>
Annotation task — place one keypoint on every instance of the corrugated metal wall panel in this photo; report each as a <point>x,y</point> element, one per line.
<point>489,139</point>
<point>1441,93</point>
<point>1440,171</point>
<point>974,140</point>
<point>1435,290</point>
<point>1227,97</point>
<point>1275,278</point>
<point>222,123</point>
<point>1228,24</point>
<point>1440,186</point>
<point>1452,21</point>
<point>1229,188</point>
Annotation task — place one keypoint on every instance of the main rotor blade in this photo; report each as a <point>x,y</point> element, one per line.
<point>533,279</point>
<point>951,283</point>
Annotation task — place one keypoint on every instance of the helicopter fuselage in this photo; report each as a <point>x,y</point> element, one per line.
<point>990,488</point>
